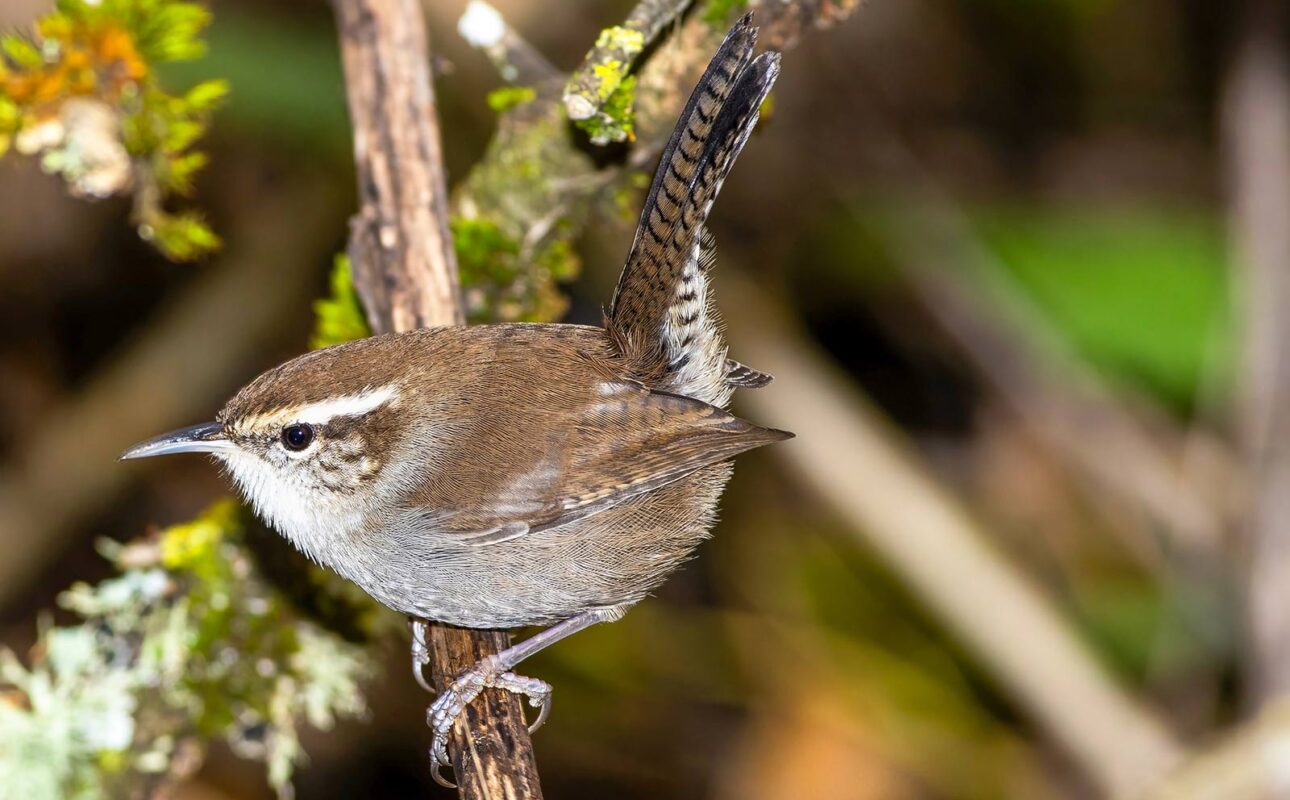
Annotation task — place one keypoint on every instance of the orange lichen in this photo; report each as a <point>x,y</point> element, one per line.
<point>99,60</point>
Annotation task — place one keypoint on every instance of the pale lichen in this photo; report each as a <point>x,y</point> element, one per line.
<point>187,645</point>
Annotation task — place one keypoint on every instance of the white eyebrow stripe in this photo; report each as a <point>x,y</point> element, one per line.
<point>322,412</point>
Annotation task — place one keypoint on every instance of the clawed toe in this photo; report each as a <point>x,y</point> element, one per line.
<point>537,691</point>
<point>543,706</point>
<point>420,653</point>
<point>439,760</point>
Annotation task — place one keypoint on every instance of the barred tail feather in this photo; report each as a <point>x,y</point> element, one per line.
<point>662,318</point>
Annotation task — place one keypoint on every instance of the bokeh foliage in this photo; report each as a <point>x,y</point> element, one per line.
<point>82,93</point>
<point>186,646</point>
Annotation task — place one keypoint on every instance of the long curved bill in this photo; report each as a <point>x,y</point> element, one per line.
<point>205,438</point>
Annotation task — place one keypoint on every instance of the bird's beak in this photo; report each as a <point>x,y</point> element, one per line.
<point>205,438</point>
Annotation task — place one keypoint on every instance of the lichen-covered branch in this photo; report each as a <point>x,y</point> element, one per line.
<point>598,95</point>
<point>612,56</point>
<point>521,208</point>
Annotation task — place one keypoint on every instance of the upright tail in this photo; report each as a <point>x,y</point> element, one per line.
<point>661,318</point>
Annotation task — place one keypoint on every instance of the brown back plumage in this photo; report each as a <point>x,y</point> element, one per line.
<point>661,319</point>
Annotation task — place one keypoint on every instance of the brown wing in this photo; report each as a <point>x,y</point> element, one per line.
<point>626,442</point>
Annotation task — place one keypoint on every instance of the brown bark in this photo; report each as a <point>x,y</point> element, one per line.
<point>405,270</point>
<point>400,247</point>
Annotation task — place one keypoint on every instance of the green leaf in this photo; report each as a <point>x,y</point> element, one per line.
<point>181,134</point>
<point>180,237</point>
<point>20,51</point>
<point>205,95</point>
<point>339,317</point>
<point>171,32</point>
<point>181,170</point>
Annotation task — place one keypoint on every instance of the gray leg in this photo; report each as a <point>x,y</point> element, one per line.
<point>495,672</point>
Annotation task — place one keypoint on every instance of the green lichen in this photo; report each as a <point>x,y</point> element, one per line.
<point>615,50</point>
<point>609,76</point>
<point>627,41</point>
<point>516,214</point>
<point>507,97</point>
<point>616,119</point>
<point>503,284</point>
<point>601,80</point>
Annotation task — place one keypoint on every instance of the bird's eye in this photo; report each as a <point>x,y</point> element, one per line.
<point>297,437</point>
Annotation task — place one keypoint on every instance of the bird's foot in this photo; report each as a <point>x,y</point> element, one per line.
<point>451,702</point>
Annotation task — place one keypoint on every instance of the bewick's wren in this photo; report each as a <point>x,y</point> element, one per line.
<point>506,475</point>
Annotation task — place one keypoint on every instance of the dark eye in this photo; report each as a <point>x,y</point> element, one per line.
<point>297,437</point>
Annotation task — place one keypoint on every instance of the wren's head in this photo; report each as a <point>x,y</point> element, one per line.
<point>307,444</point>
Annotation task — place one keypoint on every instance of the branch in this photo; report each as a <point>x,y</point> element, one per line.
<point>855,461</point>
<point>1256,131</point>
<point>406,272</point>
<point>399,244</point>
<point>515,60</point>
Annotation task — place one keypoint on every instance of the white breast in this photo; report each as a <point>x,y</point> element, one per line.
<point>314,522</point>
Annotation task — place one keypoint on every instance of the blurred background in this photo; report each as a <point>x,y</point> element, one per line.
<point>1019,268</point>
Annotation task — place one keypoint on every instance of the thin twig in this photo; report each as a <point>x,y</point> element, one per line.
<point>515,60</point>
<point>406,272</point>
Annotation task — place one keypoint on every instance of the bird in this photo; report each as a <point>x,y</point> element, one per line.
<point>524,474</point>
